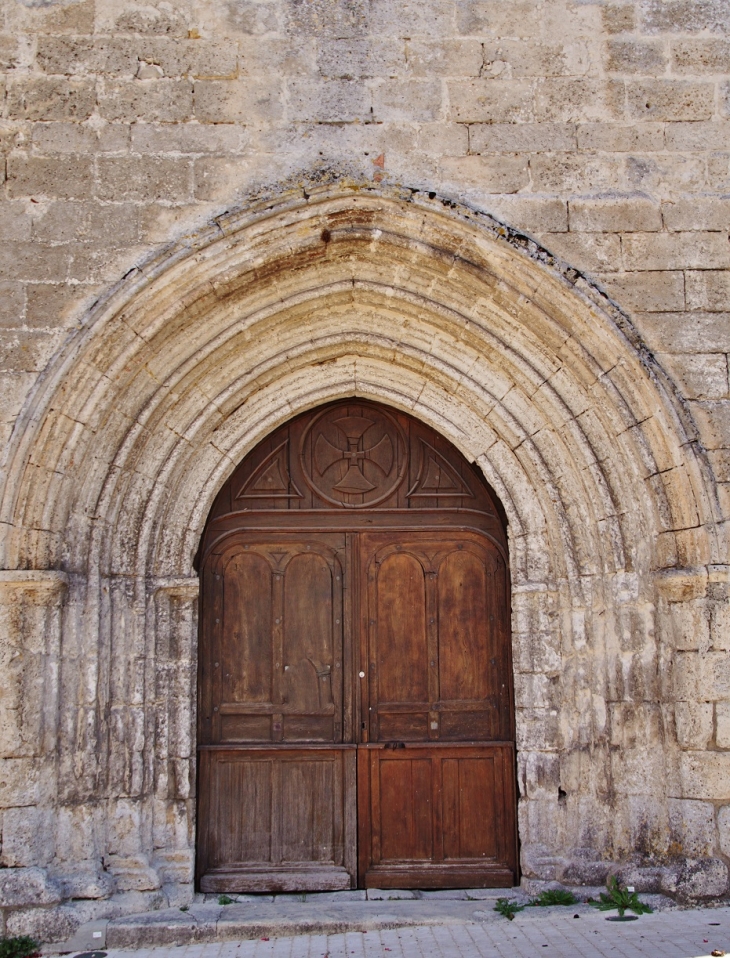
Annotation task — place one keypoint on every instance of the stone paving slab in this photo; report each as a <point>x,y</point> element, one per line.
<point>548,933</point>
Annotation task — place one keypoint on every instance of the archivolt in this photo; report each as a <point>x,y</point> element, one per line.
<point>438,311</point>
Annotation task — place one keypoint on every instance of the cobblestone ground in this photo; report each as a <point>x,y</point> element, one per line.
<point>682,934</point>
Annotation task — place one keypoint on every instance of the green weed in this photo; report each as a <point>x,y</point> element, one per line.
<point>620,898</point>
<point>19,947</point>
<point>507,908</point>
<point>555,896</point>
<point>225,900</point>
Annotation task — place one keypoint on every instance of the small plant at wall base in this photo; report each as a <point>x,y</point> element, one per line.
<point>555,896</point>
<point>507,908</point>
<point>22,946</point>
<point>620,898</point>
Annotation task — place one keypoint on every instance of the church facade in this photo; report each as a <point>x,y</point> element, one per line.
<point>348,305</point>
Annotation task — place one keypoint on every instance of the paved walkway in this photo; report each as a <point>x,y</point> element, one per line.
<point>543,932</point>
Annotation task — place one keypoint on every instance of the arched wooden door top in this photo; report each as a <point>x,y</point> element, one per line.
<point>350,458</point>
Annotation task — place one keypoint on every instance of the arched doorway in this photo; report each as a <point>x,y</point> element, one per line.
<point>355,716</point>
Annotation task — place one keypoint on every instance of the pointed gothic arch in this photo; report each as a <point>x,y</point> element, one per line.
<point>435,310</point>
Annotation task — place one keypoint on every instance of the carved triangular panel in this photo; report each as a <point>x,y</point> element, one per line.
<point>271,480</point>
<point>437,477</point>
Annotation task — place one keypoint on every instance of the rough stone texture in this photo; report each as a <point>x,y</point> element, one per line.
<point>602,130</point>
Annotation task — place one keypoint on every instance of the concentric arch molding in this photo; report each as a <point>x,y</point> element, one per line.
<point>340,290</point>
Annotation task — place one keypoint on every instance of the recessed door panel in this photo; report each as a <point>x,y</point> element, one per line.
<point>434,816</point>
<point>437,638</point>
<point>277,819</point>
<point>246,653</point>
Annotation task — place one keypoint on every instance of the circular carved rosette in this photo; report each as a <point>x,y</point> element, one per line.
<point>354,455</point>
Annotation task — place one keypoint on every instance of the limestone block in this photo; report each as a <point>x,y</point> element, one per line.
<point>485,101</point>
<point>698,213</point>
<point>70,177</point>
<point>20,782</point>
<point>60,137</point>
<point>80,830</point>
<point>670,100</point>
<point>153,101</point>
<point>641,824</point>
<point>28,837</point>
<point>675,251</point>
<point>326,101</point>
<point>373,57</point>
<point>492,174</point>
<point>538,862</point>
<point>176,867</point>
<point>407,101</point>
<point>537,729</point>
<point>635,771</point>
<point>713,419</point>
<point>85,880</point>
<point>490,17</point>
<point>578,100</point>
<point>50,98</point>
<point>523,137</point>
<point>619,18</point>
<point>593,252</point>
<point>195,58</point>
<point>246,17</point>
<point>686,624</point>
<point>132,874</point>
<point>722,724</point>
<point>12,307</point>
<point>436,20</point>
<point>635,725</point>
<point>580,871</point>
<point>44,924</point>
<point>681,17</point>
<point>718,172</point>
<point>619,214</point>
<point>705,775</point>
<point>649,291</point>
<point>697,136</point>
<point>697,332</point>
<point>539,775</point>
<point>703,376</point>
<point>277,56</point>
<point>723,824</point>
<point>664,174</point>
<point>700,56</point>
<point>87,222</point>
<point>27,887</point>
<point>719,460</point>
<point>447,57</point>
<point>569,172</point>
<point>636,56</point>
<point>620,137</point>
<point>126,829</point>
<point>705,878</point>
<point>77,56</point>
<point>647,880</point>
<point>537,652</point>
<point>708,290</point>
<point>144,179</point>
<point>15,224</point>
<point>692,828</point>
<point>694,724</point>
<point>245,101</point>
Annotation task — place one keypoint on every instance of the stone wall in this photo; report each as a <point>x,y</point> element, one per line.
<point>602,130</point>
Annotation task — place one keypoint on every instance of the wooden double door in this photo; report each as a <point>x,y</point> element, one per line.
<point>355,693</point>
